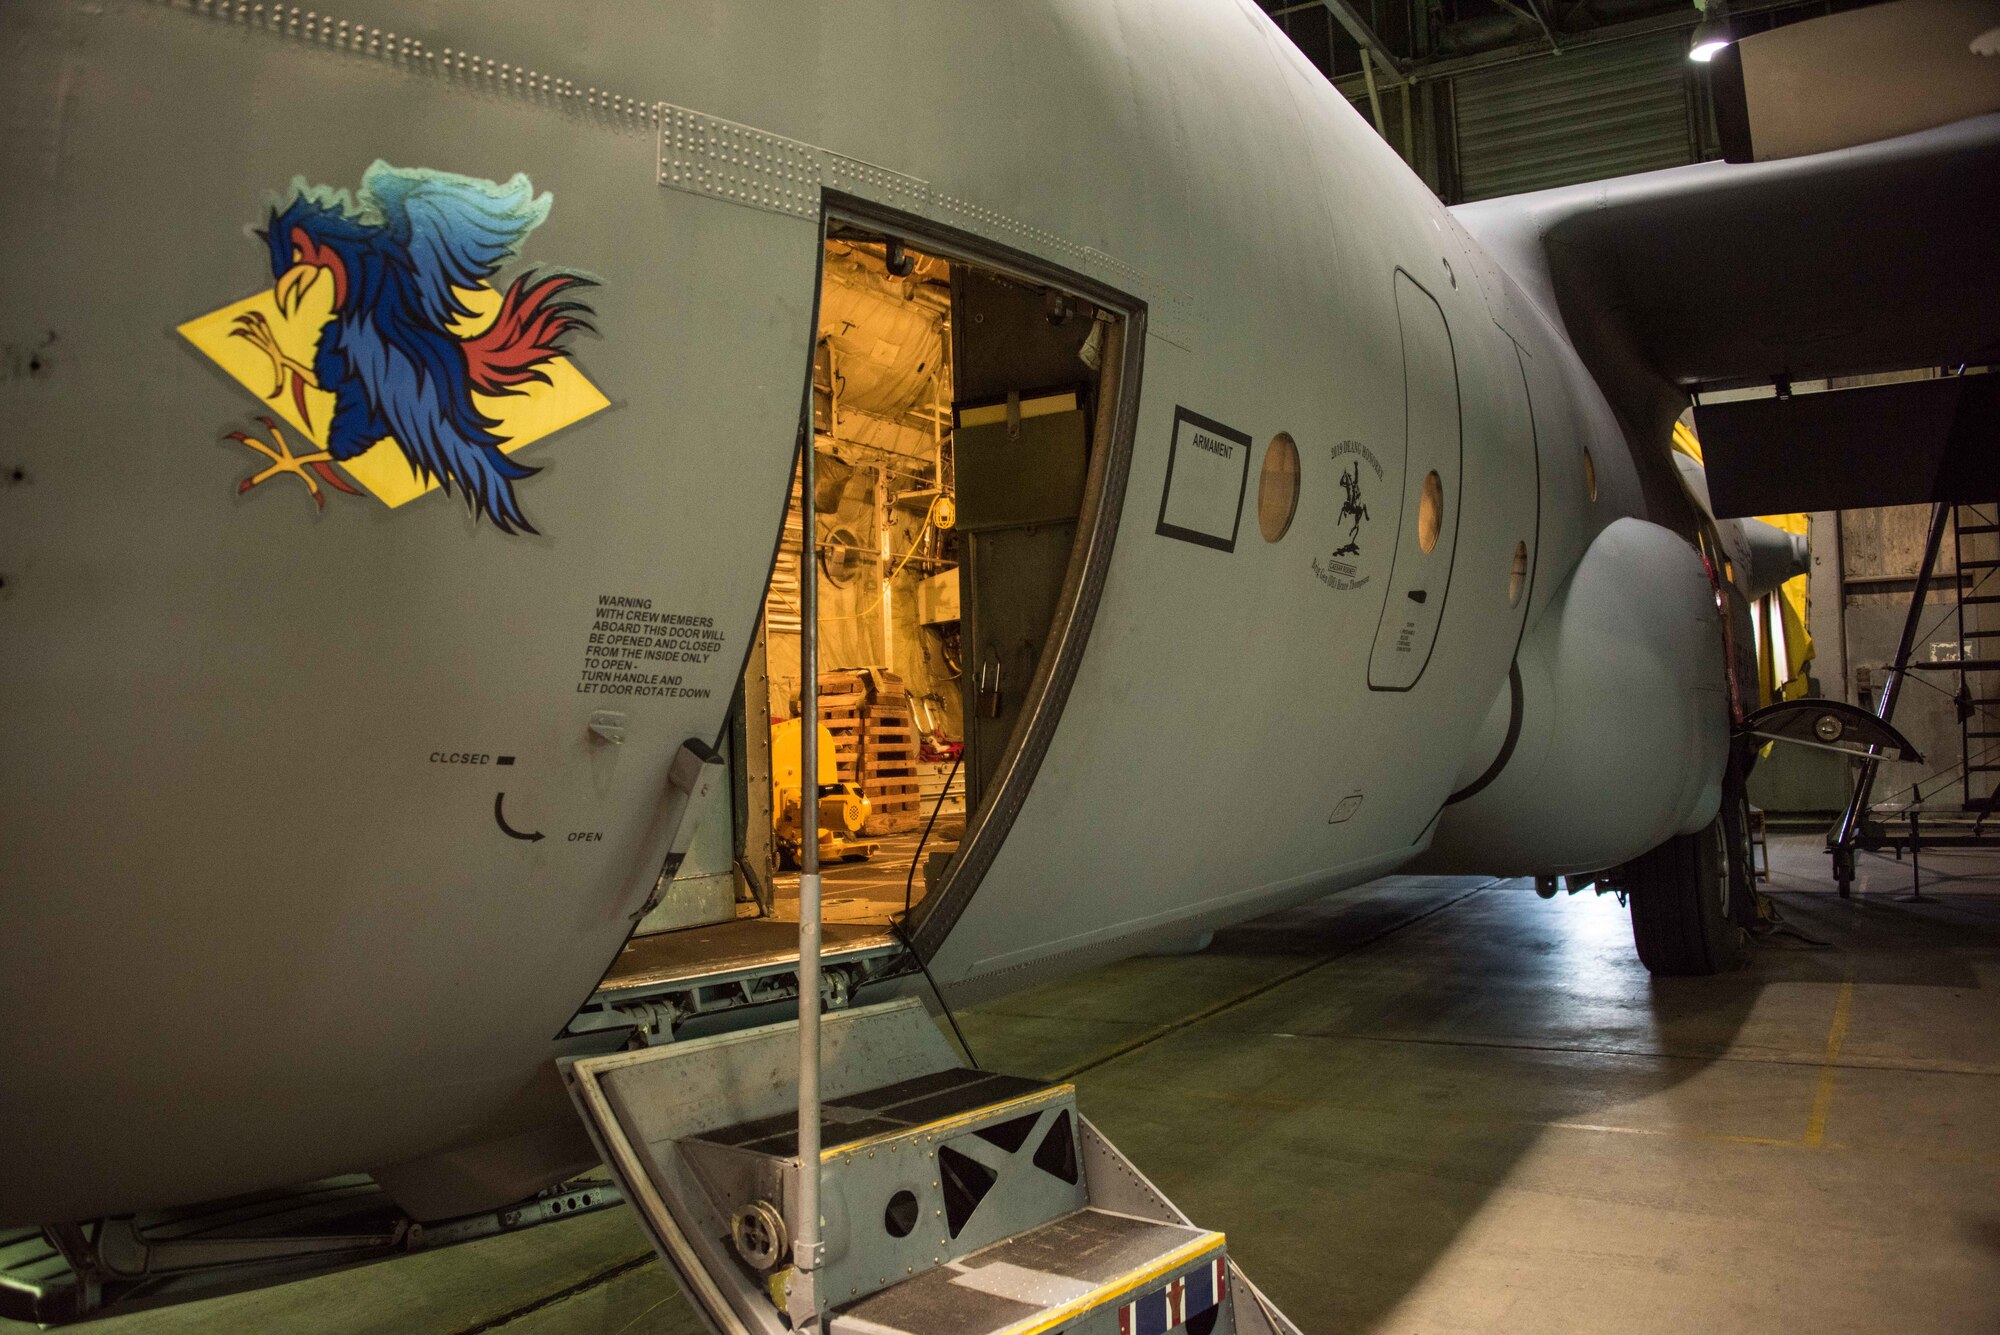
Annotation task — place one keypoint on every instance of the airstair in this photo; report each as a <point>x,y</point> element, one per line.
<point>953,1201</point>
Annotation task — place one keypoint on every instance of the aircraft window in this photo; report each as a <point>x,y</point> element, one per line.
<point>1517,580</point>
<point>1589,473</point>
<point>1278,487</point>
<point>1430,512</point>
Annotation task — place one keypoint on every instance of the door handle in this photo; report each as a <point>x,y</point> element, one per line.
<point>988,684</point>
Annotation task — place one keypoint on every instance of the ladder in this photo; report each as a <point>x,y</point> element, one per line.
<point>1976,665</point>
<point>1976,545</point>
<point>953,1201</point>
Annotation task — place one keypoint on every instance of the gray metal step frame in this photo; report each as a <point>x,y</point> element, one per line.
<point>639,1105</point>
<point>694,1131</point>
<point>1117,1184</point>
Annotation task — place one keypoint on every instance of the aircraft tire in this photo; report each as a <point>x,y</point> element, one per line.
<point>1683,897</point>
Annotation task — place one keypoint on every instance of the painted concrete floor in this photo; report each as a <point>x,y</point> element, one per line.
<point>1439,1105</point>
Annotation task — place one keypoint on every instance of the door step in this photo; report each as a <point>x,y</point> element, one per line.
<point>953,1201</point>
<point>1080,1272</point>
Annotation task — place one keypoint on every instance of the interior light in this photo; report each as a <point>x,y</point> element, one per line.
<point>1704,48</point>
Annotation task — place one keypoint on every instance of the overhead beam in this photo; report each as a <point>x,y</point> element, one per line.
<point>1357,28</point>
<point>1374,97</point>
<point>1352,86</point>
<point>1445,67</point>
<point>1533,14</point>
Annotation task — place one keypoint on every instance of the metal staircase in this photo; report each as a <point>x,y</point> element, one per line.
<point>1976,544</point>
<point>952,1201</point>
<point>1975,533</point>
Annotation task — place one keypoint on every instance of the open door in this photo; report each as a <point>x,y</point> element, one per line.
<point>1025,390</point>
<point>956,425</point>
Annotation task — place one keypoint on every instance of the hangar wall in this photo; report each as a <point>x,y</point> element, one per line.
<point>1607,110</point>
<point>1871,558</point>
<point>1485,99</point>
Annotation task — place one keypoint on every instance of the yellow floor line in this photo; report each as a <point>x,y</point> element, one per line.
<point>1836,1034</point>
<point>1675,1134</point>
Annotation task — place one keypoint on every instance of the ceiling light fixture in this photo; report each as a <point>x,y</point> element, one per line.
<point>1711,34</point>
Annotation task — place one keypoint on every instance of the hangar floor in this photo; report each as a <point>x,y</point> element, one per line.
<point>1446,1105</point>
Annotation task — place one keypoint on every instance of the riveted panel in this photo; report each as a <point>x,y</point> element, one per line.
<point>706,155</point>
<point>880,185</point>
<point>991,222</point>
<point>1169,314</point>
<point>328,32</point>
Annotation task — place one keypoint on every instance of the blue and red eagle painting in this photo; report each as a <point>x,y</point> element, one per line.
<point>385,341</point>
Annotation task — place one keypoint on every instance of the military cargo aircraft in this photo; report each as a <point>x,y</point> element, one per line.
<point>403,409</point>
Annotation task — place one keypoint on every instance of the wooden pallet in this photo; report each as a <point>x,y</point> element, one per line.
<point>889,765</point>
<point>847,742</point>
<point>875,743</point>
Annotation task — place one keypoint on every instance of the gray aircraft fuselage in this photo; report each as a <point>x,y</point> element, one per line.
<point>260,926</point>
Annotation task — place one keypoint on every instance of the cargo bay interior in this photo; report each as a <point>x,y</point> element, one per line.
<point>954,413</point>
<point>1427,1103</point>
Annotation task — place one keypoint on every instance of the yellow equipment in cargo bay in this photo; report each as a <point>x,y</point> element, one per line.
<point>842,808</point>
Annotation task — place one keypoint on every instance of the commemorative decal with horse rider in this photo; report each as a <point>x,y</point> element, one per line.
<point>1360,478</point>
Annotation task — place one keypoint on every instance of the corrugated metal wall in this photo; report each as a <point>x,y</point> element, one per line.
<point>1582,116</point>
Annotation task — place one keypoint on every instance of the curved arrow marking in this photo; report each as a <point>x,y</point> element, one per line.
<point>506,829</point>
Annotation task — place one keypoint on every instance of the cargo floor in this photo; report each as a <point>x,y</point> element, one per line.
<point>865,891</point>
<point>1445,1104</point>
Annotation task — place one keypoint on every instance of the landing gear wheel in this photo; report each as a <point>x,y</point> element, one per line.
<point>1686,897</point>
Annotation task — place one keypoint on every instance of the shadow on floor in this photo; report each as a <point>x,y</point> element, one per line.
<point>1444,1103</point>
<point>1346,1086</point>
<point>1348,1117</point>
